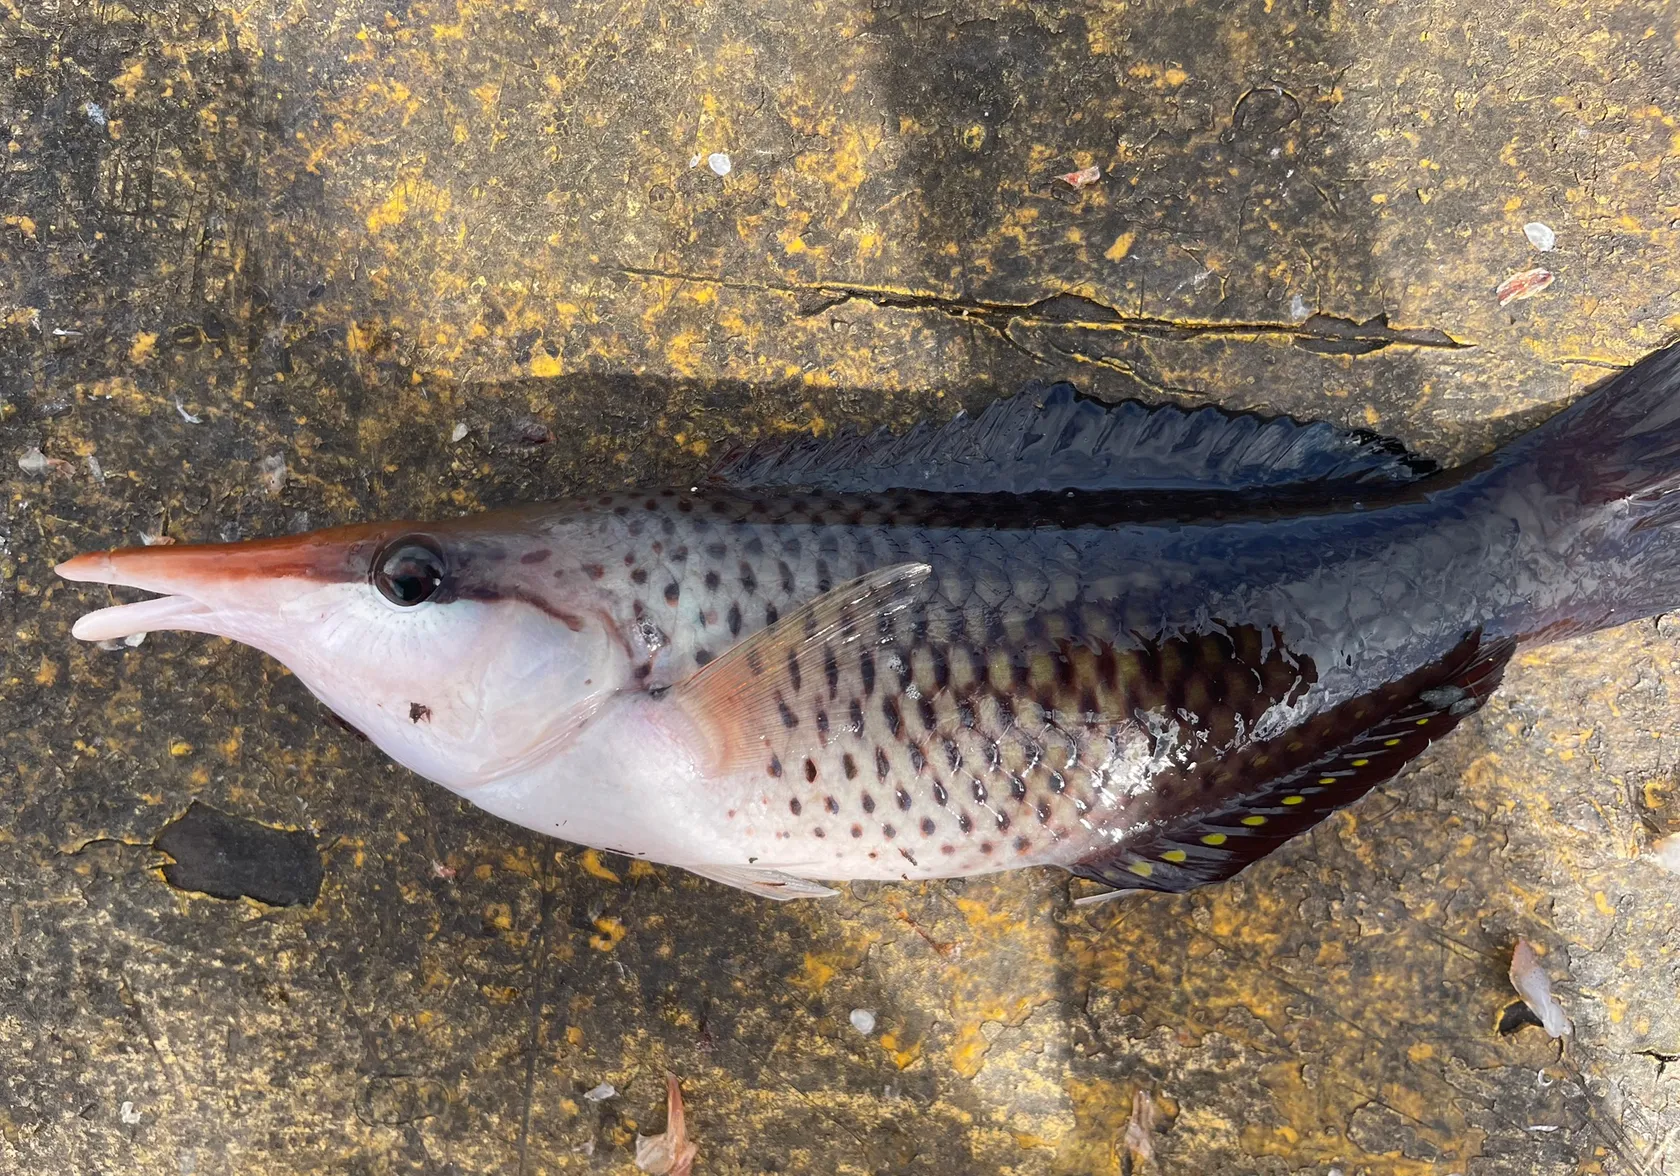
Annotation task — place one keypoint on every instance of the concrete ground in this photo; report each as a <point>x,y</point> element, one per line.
<point>271,265</point>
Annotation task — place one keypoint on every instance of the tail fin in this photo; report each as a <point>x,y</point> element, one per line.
<point>1613,459</point>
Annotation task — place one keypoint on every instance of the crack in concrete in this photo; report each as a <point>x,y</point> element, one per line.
<point>1320,332</point>
<point>81,847</point>
<point>534,1036</point>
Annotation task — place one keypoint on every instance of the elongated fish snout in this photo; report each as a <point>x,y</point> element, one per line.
<point>198,582</point>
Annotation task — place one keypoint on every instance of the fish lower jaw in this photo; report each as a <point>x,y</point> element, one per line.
<point>141,617</point>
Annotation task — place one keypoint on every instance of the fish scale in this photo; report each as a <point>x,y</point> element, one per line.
<point>998,722</point>
<point>886,778</point>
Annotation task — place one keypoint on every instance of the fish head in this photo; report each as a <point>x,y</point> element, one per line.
<point>448,645</point>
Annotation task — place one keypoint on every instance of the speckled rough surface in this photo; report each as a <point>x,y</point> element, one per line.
<point>334,232</point>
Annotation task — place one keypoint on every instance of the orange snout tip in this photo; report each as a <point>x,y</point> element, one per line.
<point>92,566</point>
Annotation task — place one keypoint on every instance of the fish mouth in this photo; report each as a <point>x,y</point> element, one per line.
<point>198,582</point>
<point>140,618</point>
<point>175,610</point>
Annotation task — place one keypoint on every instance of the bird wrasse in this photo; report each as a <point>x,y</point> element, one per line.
<point>1146,645</point>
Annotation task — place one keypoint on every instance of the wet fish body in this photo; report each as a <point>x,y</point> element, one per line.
<point>1146,645</point>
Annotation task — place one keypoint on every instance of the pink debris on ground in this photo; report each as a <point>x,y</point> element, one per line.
<point>669,1154</point>
<point>1524,285</point>
<point>1083,178</point>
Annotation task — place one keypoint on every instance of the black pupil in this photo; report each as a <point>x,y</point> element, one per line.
<point>409,576</point>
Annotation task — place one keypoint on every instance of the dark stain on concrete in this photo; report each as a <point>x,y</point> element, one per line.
<point>226,856</point>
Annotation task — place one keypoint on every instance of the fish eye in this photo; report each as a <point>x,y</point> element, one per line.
<point>408,571</point>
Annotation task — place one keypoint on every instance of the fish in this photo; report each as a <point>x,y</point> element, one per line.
<point>1147,645</point>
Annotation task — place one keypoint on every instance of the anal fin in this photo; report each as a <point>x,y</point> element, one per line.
<point>764,883</point>
<point>1289,784</point>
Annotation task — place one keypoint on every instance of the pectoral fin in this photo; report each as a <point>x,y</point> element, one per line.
<point>753,691</point>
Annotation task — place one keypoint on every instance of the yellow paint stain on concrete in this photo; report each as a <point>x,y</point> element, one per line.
<point>1121,247</point>
<point>815,974</point>
<point>411,194</point>
<point>685,351</point>
<point>544,365</point>
<point>144,344</point>
<point>128,82</point>
<point>903,1055</point>
<point>609,933</point>
<point>590,860</point>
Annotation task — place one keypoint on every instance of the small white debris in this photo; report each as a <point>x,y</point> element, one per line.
<point>95,113</point>
<point>1139,1144</point>
<point>863,1020</point>
<point>601,1093</point>
<point>694,161</point>
<point>156,538</point>
<point>1299,311</point>
<point>1535,987</point>
<point>189,417</point>
<point>95,468</point>
<point>1540,236</point>
<point>1667,852</point>
<point>459,433</point>
<point>135,640</point>
<point>128,1114</point>
<point>720,163</point>
<point>272,473</point>
<point>33,461</point>
<point>439,870</point>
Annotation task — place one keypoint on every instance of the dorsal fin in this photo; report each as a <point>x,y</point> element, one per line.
<point>1051,438</point>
